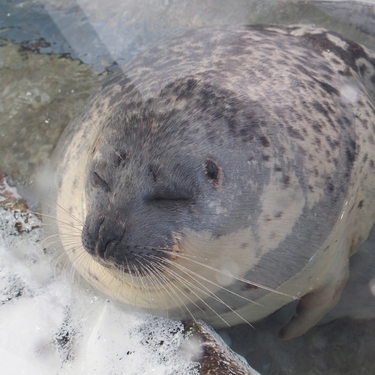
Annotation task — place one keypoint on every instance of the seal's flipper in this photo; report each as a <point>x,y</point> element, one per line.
<point>312,307</point>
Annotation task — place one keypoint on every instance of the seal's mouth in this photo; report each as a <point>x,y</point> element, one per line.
<point>117,247</point>
<point>137,261</point>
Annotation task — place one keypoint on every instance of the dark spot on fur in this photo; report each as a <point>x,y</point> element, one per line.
<point>279,214</point>
<point>326,87</point>
<point>311,188</point>
<point>248,287</point>
<point>152,173</point>
<point>360,204</point>
<point>302,69</point>
<point>266,157</point>
<point>265,141</point>
<point>330,187</point>
<point>317,127</point>
<point>332,144</point>
<point>320,109</point>
<point>362,69</point>
<point>294,133</point>
<point>286,181</point>
<point>350,152</point>
<point>278,168</point>
<point>371,163</point>
<point>244,245</point>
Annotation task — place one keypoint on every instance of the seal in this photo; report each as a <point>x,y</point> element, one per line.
<point>223,173</point>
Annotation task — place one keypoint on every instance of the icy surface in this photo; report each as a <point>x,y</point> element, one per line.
<point>50,327</point>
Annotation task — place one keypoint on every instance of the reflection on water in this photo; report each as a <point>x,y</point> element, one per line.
<point>42,90</point>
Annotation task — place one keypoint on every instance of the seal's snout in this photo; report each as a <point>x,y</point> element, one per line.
<point>109,234</point>
<point>118,244</point>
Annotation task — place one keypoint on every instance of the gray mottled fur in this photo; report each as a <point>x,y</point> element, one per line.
<point>286,114</point>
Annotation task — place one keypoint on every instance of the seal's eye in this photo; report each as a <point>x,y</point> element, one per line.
<point>99,182</point>
<point>213,172</point>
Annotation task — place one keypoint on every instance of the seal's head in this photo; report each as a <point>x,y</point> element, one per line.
<point>209,176</point>
<point>175,168</point>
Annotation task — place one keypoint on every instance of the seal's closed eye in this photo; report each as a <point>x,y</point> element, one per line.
<point>168,197</point>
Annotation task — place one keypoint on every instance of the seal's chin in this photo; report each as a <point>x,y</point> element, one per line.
<point>142,264</point>
<point>146,266</point>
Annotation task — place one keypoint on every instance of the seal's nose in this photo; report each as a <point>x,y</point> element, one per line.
<point>110,233</point>
<point>128,246</point>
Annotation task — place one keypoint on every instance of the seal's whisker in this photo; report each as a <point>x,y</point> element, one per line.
<point>64,266</point>
<point>62,209</point>
<point>159,275</point>
<point>58,207</point>
<point>63,225</point>
<point>156,266</point>
<point>73,251</point>
<point>209,293</point>
<point>75,257</point>
<point>130,273</point>
<point>260,286</point>
<point>153,273</point>
<point>59,221</point>
<point>176,290</point>
<point>150,276</point>
<point>69,241</point>
<point>57,259</point>
<point>164,269</point>
<point>144,285</point>
<point>46,240</point>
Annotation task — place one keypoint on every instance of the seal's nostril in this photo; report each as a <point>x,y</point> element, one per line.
<point>90,233</point>
<point>108,248</point>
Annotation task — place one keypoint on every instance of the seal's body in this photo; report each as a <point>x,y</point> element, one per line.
<point>223,173</point>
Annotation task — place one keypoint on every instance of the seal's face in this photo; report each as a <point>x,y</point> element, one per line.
<point>169,176</point>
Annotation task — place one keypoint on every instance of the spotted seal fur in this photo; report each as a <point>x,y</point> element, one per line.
<point>223,173</point>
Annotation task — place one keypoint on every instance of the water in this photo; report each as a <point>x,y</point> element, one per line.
<point>54,54</point>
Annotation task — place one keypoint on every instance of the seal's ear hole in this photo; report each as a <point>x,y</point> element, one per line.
<point>213,171</point>
<point>99,182</point>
